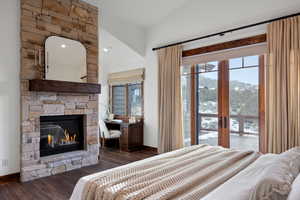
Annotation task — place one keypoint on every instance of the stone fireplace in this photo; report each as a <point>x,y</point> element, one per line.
<point>65,114</point>
<point>59,131</point>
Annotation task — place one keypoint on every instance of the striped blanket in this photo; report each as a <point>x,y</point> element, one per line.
<point>189,173</point>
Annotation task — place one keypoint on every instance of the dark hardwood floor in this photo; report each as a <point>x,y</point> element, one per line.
<point>60,187</point>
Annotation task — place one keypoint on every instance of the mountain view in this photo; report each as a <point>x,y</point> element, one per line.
<point>243,102</point>
<point>243,97</point>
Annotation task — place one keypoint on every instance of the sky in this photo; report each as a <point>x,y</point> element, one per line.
<point>246,75</point>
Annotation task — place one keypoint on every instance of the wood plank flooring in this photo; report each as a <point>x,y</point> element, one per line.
<point>60,187</point>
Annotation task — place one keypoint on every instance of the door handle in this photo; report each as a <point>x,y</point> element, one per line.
<point>220,122</point>
<point>225,122</point>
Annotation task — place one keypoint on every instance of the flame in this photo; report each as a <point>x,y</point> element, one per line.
<point>50,137</point>
<point>68,138</point>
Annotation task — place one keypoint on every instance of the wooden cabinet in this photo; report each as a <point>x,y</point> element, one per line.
<point>132,137</point>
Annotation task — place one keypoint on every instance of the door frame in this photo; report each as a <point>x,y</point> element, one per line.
<point>262,104</point>
<point>223,104</point>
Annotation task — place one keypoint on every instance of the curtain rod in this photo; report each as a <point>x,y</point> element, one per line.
<point>227,31</point>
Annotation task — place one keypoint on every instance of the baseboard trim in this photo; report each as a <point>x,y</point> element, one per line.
<point>153,149</point>
<point>10,178</point>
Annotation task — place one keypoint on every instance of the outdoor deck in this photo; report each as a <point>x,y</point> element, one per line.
<point>245,142</point>
<point>240,136</point>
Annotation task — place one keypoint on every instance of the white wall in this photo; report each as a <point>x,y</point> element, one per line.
<point>9,86</point>
<point>199,18</point>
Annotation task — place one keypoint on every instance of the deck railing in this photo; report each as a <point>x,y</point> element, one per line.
<point>241,123</point>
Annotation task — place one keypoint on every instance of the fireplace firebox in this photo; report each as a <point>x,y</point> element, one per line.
<point>61,134</point>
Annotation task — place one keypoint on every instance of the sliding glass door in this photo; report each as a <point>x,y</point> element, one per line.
<point>221,103</point>
<point>186,85</point>
<point>207,103</point>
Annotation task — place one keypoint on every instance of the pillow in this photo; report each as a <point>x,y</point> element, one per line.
<point>295,192</point>
<point>243,184</point>
<point>292,157</point>
<point>276,181</point>
<point>270,177</point>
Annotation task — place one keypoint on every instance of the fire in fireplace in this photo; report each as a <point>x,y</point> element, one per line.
<point>60,134</point>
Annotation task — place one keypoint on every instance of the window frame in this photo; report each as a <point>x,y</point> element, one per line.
<point>127,115</point>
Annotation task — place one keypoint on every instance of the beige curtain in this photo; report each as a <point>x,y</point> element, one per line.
<point>169,94</point>
<point>283,85</point>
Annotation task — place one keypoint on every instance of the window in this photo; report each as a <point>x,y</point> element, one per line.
<point>127,100</point>
<point>135,99</point>
<point>119,100</point>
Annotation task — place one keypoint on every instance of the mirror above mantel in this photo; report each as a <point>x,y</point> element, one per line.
<point>65,68</point>
<point>65,60</point>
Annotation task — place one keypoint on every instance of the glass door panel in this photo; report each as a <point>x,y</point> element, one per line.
<point>244,103</point>
<point>186,103</point>
<point>207,103</point>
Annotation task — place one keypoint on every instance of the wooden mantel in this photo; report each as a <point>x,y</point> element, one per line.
<point>39,85</point>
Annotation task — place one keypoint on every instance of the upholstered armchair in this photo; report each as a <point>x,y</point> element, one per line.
<point>106,134</point>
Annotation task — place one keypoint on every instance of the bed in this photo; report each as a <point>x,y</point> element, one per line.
<point>198,172</point>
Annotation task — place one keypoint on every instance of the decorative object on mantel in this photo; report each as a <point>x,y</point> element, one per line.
<point>36,54</point>
<point>39,85</point>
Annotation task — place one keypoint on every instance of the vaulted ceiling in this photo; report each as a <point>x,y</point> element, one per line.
<point>144,13</point>
<point>149,13</point>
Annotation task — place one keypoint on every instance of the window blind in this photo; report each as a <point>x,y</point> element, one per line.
<point>126,77</point>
